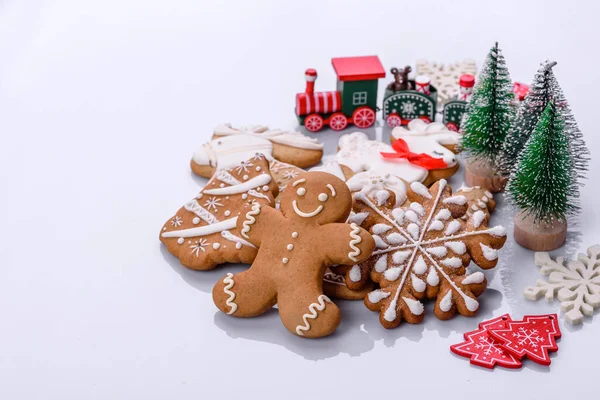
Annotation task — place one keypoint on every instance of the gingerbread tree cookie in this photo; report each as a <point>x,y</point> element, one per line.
<point>203,233</point>
<point>296,245</point>
<point>422,252</point>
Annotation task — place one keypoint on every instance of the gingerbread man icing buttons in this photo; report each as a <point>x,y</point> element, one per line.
<point>296,245</point>
<point>203,233</point>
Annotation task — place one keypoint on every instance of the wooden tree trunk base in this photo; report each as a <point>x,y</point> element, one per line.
<point>540,236</point>
<point>481,173</point>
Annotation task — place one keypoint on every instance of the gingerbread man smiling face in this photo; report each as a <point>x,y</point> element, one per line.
<point>296,245</point>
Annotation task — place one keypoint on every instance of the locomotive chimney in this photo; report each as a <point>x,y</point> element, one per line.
<point>311,76</point>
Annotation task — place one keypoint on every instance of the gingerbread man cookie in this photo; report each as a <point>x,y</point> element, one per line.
<point>361,154</point>
<point>296,245</point>
<point>203,233</point>
<point>231,146</point>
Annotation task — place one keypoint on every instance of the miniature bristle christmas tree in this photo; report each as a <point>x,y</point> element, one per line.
<point>528,115</point>
<point>487,122</point>
<point>544,185</point>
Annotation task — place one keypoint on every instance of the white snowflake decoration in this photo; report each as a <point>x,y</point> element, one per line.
<point>408,108</point>
<point>488,346</point>
<point>290,175</point>
<point>213,203</point>
<point>198,246</point>
<point>576,284</point>
<point>243,167</point>
<point>528,337</point>
<point>176,221</point>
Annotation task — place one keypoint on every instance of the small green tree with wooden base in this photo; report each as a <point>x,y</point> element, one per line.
<point>544,184</point>
<point>487,121</point>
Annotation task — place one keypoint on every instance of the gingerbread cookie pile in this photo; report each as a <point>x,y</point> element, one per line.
<point>342,230</point>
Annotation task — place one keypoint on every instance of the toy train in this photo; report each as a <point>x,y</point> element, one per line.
<point>355,100</point>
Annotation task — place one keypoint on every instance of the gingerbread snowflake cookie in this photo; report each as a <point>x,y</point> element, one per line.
<point>232,145</point>
<point>203,233</point>
<point>478,199</point>
<point>361,154</point>
<point>422,252</point>
<point>296,245</point>
<point>576,283</point>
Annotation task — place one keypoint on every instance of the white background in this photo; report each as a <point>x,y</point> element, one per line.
<point>102,104</point>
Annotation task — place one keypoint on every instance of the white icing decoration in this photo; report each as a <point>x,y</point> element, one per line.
<point>416,207</point>
<point>299,181</point>
<point>420,189</point>
<point>332,190</point>
<point>322,197</point>
<point>304,214</point>
<point>398,215</point>
<point>196,221</point>
<point>489,253</point>
<point>443,214</point>
<point>250,220</point>
<point>379,186</point>
<point>239,242</point>
<point>382,196</point>
<point>216,246</point>
<point>433,279</point>
<point>238,246</point>
<point>497,231</point>
<point>301,191</point>
<point>228,281</point>
<point>476,277</point>
<point>259,180</point>
<point>420,266</point>
<point>294,234</point>
<point>180,240</point>
<point>452,227</point>
<point>285,260</point>
<point>288,138</point>
<point>358,218</point>
<point>413,229</point>
<point>203,230</point>
<point>379,242</point>
<point>415,306</point>
<point>472,304</point>
<point>332,167</point>
<point>354,240</point>
<point>436,226</point>
<point>381,264</point>
<point>395,238</point>
<point>393,273</point>
<point>312,313</point>
<point>458,200</point>
<point>379,229</point>
<point>446,302</point>
<point>377,295</point>
<point>227,213</point>
<point>290,246</point>
<point>412,217</point>
<point>438,251</point>
<point>355,274</point>
<point>478,218</point>
<point>457,247</point>
<point>265,188</point>
<point>400,256</point>
<point>417,283</point>
<point>452,262</point>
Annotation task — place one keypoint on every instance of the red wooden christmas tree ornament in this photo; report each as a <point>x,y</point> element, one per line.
<point>484,350</point>
<point>534,337</point>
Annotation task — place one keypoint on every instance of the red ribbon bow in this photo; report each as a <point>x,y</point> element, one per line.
<point>422,159</point>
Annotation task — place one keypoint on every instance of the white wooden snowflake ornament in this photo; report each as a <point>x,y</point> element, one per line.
<point>576,285</point>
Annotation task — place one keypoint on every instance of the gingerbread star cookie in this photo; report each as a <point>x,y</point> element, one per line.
<point>204,232</point>
<point>296,245</point>
<point>422,252</point>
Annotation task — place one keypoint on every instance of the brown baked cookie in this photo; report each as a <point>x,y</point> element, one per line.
<point>230,146</point>
<point>283,173</point>
<point>422,252</point>
<point>203,233</point>
<point>478,199</point>
<point>334,285</point>
<point>296,245</point>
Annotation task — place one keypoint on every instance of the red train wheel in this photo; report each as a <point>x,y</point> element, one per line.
<point>363,117</point>
<point>393,120</point>
<point>452,126</point>
<point>425,118</point>
<point>338,121</point>
<point>313,123</point>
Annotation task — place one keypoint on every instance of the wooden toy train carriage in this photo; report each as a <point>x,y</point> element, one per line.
<point>354,101</point>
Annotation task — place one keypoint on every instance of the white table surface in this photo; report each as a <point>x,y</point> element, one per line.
<point>102,104</point>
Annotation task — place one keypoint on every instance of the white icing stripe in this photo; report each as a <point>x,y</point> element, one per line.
<point>250,220</point>
<point>236,239</point>
<point>330,186</point>
<point>420,189</point>
<point>489,253</point>
<point>299,181</point>
<point>228,281</point>
<point>446,302</point>
<point>415,306</point>
<point>200,211</point>
<point>257,181</point>
<point>302,213</point>
<point>202,230</point>
<point>312,314</point>
<point>377,295</point>
<point>355,239</point>
<point>476,277</point>
<point>226,177</point>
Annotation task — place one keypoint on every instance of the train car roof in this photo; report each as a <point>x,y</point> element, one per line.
<point>358,68</point>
